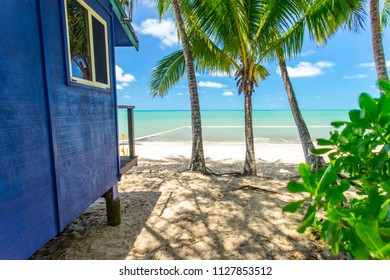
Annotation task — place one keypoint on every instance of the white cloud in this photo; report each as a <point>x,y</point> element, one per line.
<point>281,98</point>
<point>211,84</point>
<point>119,87</point>
<point>372,64</point>
<point>359,76</point>
<point>324,64</point>
<point>165,30</point>
<point>121,77</point>
<point>127,96</point>
<point>179,94</point>
<point>307,69</point>
<point>309,52</point>
<point>228,93</point>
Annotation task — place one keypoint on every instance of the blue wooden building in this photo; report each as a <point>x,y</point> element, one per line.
<point>58,115</point>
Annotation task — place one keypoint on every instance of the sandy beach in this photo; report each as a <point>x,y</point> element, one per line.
<point>171,213</point>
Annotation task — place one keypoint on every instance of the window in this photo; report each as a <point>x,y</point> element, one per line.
<point>87,45</point>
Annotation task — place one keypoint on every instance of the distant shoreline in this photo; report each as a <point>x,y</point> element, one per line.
<point>235,151</point>
<point>241,110</point>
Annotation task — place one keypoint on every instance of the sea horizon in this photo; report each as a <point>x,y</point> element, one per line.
<point>240,110</point>
<point>269,126</point>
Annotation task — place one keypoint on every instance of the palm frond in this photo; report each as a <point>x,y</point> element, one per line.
<point>167,73</point>
<point>385,17</point>
<point>162,7</point>
<point>208,56</point>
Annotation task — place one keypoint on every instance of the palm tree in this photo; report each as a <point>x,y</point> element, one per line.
<point>197,156</point>
<point>229,35</point>
<point>327,16</point>
<point>323,18</point>
<point>376,34</point>
<point>78,42</point>
<point>325,23</point>
<point>304,134</point>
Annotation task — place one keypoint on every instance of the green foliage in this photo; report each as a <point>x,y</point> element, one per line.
<point>359,168</point>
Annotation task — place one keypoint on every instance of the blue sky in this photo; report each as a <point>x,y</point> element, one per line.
<point>327,77</point>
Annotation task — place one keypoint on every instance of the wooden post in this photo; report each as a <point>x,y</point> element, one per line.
<point>113,206</point>
<point>130,124</point>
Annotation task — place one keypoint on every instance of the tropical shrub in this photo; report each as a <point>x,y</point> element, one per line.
<point>348,202</point>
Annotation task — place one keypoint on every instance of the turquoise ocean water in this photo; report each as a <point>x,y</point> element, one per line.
<point>228,126</point>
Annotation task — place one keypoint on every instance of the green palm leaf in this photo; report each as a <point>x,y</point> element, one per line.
<point>385,17</point>
<point>167,73</point>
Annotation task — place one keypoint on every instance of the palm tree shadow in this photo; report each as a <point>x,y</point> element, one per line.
<point>168,213</point>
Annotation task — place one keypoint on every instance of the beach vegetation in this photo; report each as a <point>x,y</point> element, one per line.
<point>378,21</point>
<point>238,36</point>
<point>323,19</point>
<point>329,16</point>
<point>348,202</point>
<point>230,37</point>
<point>187,65</point>
<point>313,21</point>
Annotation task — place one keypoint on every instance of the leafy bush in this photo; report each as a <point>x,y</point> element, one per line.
<point>359,168</point>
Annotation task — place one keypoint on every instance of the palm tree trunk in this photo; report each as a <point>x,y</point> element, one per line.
<point>377,44</point>
<point>304,135</point>
<point>197,156</point>
<point>250,158</point>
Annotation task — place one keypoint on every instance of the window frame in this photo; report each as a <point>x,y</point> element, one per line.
<point>93,83</point>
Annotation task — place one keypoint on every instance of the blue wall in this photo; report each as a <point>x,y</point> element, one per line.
<point>58,146</point>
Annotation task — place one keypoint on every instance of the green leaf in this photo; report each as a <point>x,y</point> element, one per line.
<point>384,210</point>
<point>293,206</point>
<point>358,249</point>
<point>335,194</point>
<point>308,219</point>
<point>383,253</point>
<point>323,142</point>
<point>385,86</point>
<point>354,116</point>
<point>321,151</point>
<point>334,216</point>
<point>167,73</point>
<point>386,186</point>
<point>338,124</point>
<point>384,232</point>
<point>331,235</point>
<point>297,187</point>
<point>384,106</point>
<point>346,135</point>
<point>329,176</point>
<point>307,176</point>
<point>332,156</point>
<point>367,231</point>
<point>369,107</point>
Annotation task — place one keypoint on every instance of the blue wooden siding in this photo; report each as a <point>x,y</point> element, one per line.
<point>84,124</point>
<point>27,196</point>
<point>58,146</point>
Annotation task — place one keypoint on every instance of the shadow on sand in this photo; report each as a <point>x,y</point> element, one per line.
<point>170,213</point>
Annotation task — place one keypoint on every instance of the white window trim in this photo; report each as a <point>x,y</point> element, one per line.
<point>93,82</point>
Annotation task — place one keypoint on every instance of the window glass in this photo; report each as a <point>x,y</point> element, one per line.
<point>88,45</point>
<point>78,40</point>
<point>100,51</point>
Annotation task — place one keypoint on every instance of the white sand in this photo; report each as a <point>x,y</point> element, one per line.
<point>286,153</point>
<point>170,213</point>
